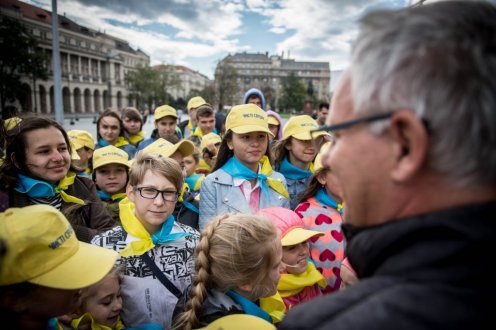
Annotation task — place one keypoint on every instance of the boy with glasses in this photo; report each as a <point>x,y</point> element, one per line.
<point>157,251</point>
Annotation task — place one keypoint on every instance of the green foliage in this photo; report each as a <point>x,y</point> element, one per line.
<point>149,86</point>
<point>20,57</point>
<point>226,79</point>
<point>293,93</point>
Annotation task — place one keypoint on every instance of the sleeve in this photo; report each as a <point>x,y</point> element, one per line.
<point>97,218</point>
<point>208,198</point>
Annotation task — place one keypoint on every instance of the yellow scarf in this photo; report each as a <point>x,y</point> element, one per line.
<point>290,285</point>
<point>121,141</point>
<point>133,226</point>
<point>87,318</point>
<point>63,185</point>
<point>190,126</point>
<point>134,139</point>
<point>273,183</point>
<point>181,196</point>
<point>198,132</point>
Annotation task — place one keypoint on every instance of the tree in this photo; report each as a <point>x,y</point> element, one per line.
<point>226,82</point>
<point>20,57</point>
<point>293,93</point>
<point>149,86</point>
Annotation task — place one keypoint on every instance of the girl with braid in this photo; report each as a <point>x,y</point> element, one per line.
<point>237,263</point>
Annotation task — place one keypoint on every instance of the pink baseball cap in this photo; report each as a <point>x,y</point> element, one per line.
<point>289,224</point>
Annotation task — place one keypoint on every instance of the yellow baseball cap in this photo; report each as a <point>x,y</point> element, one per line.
<point>167,149</point>
<point>289,224</point>
<point>317,163</point>
<point>300,127</point>
<point>273,120</point>
<point>80,139</point>
<point>163,111</point>
<point>247,118</point>
<point>208,139</point>
<point>42,249</point>
<point>195,102</point>
<point>110,155</point>
<point>239,322</point>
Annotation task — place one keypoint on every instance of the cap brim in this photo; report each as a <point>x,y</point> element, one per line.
<point>185,147</point>
<point>273,121</point>
<point>155,118</point>
<point>251,128</point>
<point>299,235</point>
<point>308,136</point>
<point>86,267</point>
<point>106,162</point>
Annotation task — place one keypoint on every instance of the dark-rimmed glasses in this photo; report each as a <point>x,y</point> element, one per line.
<point>152,193</point>
<point>353,122</point>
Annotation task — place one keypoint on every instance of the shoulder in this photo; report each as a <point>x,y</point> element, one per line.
<point>192,234</point>
<point>219,176</point>
<point>110,238</point>
<point>278,176</point>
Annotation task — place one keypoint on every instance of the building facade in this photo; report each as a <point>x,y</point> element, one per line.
<point>184,80</point>
<point>93,64</point>
<point>256,70</point>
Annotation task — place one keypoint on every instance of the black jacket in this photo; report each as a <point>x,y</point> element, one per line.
<point>434,271</point>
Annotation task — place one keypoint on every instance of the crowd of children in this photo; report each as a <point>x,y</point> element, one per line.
<point>268,211</point>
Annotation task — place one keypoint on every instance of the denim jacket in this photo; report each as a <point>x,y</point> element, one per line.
<point>218,195</point>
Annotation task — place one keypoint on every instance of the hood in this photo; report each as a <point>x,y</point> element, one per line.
<point>257,92</point>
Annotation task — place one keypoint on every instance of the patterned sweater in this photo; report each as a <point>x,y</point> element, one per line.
<point>327,251</point>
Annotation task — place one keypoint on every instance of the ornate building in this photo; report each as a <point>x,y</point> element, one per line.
<point>93,64</point>
<point>187,80</point>
<point>265,73</point>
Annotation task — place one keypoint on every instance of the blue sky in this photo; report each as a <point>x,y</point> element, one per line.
<point>199,33</point>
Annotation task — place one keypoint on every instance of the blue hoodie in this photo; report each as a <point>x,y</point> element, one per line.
<point>256,92</point>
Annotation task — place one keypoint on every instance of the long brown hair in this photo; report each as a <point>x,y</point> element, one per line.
<point>280,151</point>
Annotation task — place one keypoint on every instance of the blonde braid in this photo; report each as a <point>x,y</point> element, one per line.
<point>188,319</point>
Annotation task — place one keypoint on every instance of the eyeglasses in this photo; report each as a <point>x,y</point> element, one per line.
<point>365,119</point>
<point>152,193</point>
<point>354,122</point>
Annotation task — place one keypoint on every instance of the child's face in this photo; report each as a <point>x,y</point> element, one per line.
<point>104,301</point>
<point>131,125</point>
<point>109,129</point>
<point>152,213</point>
<point>301,151</point>
<point>296,258</point>
<point>249,148</point>
<point>166,126</point>
<point>274,129</point>
<point>190,165</point>
<point>84,156</point>
<point>111,178</point>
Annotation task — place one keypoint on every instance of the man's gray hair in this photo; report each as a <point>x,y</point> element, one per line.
<point>439,61</point>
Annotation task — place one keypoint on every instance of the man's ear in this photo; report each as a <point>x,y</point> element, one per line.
<point>411,143</point>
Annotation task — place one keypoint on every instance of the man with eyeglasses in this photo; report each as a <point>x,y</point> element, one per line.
<point>414,152</point>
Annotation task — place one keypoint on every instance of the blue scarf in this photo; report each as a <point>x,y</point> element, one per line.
<point>102,142</point>
<point>164,236</point>
<point>292,172</point>
<point>106,197</point>
<point>249,307</point>
<point>35,188</point>
<point>192,181</point>
<point>323,198</point>
<point>238,170</point>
